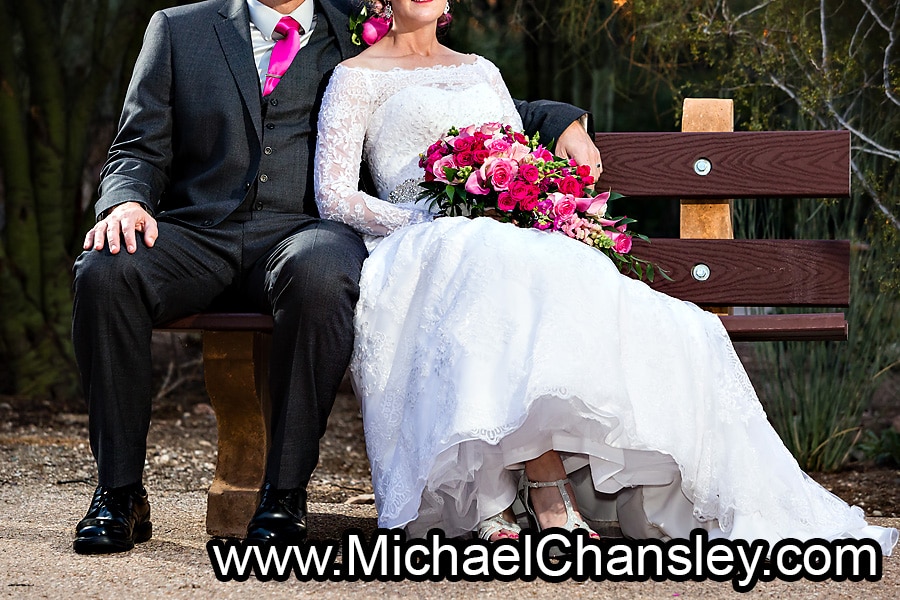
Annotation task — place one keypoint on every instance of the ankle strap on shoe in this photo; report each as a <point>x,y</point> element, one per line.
<point>545,484</point>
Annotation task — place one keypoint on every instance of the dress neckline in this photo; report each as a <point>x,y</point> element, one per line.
<point>437,67</point>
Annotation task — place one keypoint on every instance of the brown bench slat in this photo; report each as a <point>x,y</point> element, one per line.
<point>753,272</point>
<point>742,328</point>
<point>745,164</point>
<point>817,327</point>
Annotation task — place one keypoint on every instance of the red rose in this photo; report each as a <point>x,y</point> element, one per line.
<point>518,189</point>
<point>531,200</point>
<point>570,185</point>
<point>465,158</point>
<point>505,201</point>
<point>463,143</point>
<point>529,172</point>
<point>583,171</point>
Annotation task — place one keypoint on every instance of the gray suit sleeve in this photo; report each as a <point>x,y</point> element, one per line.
<point>549,118</point>
<point>136,169</point>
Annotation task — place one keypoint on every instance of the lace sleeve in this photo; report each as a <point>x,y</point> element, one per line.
<point>495,79</point>
<point>343,120</point>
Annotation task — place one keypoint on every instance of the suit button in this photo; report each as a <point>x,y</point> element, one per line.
<point>270,125</point>
<point>259,205</point>
<point>268,150</point>
<point>273,102</point>
<point>264,178</point>
<point>207,223</point>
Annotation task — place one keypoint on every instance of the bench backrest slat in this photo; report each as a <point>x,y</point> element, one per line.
<point>753,272</point>
<point>788,164</point>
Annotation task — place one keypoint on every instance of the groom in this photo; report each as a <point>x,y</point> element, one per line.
<point>206,200</point>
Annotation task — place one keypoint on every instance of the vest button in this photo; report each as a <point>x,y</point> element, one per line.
<point>270,125</point>
<point>273,102</point>
<point>268,150</point>
<point>264,178</point>
<point>207,223</point>
<point>259,206</point>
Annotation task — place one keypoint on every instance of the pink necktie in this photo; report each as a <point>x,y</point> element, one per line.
<point>284,51</point>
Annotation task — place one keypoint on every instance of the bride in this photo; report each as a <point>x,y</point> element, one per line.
<point>487,354</point>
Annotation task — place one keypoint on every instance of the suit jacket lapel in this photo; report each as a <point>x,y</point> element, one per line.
<point>234,37</point>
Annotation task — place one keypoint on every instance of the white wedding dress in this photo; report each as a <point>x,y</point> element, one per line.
<point>480,345</point>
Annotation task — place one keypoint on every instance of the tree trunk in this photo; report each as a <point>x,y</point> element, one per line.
<point>55,92</point>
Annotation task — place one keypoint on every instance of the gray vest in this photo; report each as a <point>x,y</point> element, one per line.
<point>284,182</point>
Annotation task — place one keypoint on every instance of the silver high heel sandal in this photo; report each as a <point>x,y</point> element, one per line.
<point>573,521</point>
<point>497,524</point>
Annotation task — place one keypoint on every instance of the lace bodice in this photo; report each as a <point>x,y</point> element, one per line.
<point>387,118</point>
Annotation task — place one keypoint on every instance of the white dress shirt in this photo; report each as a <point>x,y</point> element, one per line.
<point>263,20</point>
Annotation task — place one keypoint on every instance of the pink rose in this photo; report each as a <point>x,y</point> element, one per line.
<point>437,168</point>
<point>497,146</point>
<point>475,184</point>
<point>563,205</point>
<point>480,156</point>
<point>505,201</point>
<point>518,151</point>
<point>500,172</point>
<point>491,129</point>
<point>621,241</point>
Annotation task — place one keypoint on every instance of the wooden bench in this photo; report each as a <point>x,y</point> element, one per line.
<point>701,166</point>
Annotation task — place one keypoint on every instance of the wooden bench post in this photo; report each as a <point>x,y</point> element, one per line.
<point>236,369</point>
<point>707,219</point>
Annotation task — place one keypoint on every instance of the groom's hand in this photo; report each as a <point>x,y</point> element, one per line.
<point>576,143</point>
<point>122,223</point>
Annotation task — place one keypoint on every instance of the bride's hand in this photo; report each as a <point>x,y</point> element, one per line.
<point>576,143</point>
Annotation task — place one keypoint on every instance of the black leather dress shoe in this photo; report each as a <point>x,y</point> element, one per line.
<point>280,518</point>
<point>117,519</point>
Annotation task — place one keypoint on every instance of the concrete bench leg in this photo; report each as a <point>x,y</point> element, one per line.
<point>236,369</point>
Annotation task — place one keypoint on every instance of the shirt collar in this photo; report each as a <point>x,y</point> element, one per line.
<point>265,18</point>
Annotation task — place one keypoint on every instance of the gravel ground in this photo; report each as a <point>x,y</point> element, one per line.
<point>46,479</point>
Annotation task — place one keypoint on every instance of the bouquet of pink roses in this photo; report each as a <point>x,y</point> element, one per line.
<point>492,170</point>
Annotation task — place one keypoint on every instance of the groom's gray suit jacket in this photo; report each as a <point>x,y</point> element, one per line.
<point>196,140</point>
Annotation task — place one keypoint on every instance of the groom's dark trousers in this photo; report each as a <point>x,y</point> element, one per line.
<point>228,175</point>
